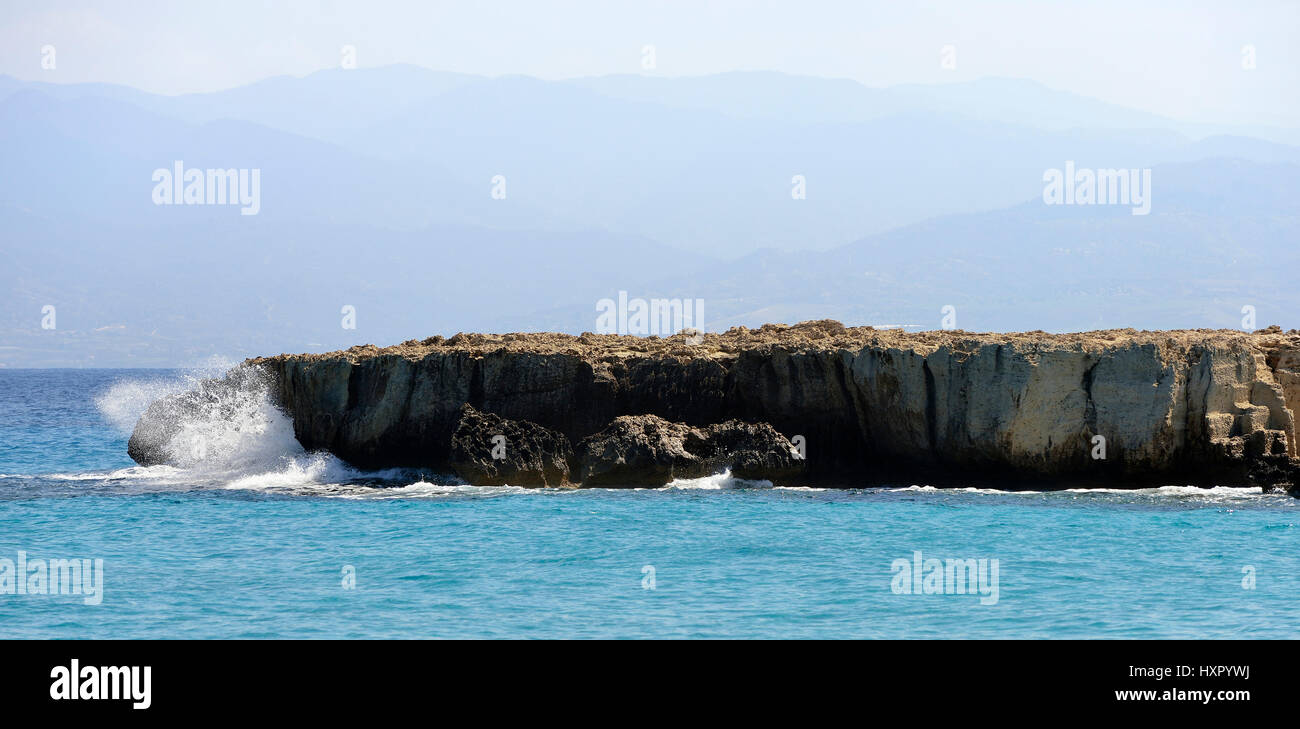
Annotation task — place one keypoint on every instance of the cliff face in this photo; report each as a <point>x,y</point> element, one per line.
<point>1202,407</point>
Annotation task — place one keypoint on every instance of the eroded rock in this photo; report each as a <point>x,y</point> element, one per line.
<point>754,451</point>
<point>646,450</point>
<point>639,450</point>
<point>489,450</point>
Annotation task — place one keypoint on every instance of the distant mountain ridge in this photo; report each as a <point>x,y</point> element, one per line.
<point>329,102</point>
<point>405,148</point>
<point>379,191</point>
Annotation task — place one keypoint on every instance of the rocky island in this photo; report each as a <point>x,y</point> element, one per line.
<point>814,403</point>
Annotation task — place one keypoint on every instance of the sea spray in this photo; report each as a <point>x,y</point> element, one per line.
<point>126,400</point>
<point>223,424</point>
<point>218,427</point>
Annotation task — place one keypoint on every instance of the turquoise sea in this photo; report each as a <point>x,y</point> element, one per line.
<point>260,540</point>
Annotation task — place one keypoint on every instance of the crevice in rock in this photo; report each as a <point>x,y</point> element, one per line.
<point>1089,407</point>
<point>930,407</point>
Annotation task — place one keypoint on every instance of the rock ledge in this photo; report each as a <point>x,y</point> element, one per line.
<point>868,407</point>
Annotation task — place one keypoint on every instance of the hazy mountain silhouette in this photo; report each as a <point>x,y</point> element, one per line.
<point>376,192</point>
<point>1221,235</point>
<point>574,157</point>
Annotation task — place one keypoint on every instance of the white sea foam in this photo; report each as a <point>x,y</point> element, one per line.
<point>426,490</point>
<point>313,469</point>
<point>1214,493</point>
<point>156,473</point>
<point>718,482</point>
<point>964,490</point>
<point>1238,491</point>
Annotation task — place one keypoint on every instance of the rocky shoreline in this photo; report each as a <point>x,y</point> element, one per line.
<point>813,403</point>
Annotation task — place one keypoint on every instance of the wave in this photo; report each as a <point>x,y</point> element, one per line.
<point>962,490</point>
<point>224,432</point>
<point>1242,491</point>
<point>1181,491</point>
<point>125,401</point>
<point>426,490</point>
<point>717,482</point>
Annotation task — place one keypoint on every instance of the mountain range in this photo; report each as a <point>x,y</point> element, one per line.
<point>435,202</point>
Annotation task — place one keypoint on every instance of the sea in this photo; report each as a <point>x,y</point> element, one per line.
<point>256,538</point>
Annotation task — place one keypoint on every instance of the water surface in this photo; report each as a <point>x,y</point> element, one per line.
<point>257,539</point>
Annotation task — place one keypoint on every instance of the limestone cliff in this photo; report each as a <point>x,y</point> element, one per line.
<point>871,406</point>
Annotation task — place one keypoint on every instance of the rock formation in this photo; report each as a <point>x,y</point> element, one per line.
<point>490,450</point>
<point>646,449</point>
<point>1107,408</point>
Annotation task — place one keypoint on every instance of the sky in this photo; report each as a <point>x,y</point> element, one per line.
<point>1179,59</point>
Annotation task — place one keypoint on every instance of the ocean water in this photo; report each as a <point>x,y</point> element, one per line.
<point>254,538</point>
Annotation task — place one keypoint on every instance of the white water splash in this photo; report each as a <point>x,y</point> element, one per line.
<point>125,401</point>
<point>718,482</point>
<point>965,490</point>
<point>1237,491</point>
<point>232,436</point>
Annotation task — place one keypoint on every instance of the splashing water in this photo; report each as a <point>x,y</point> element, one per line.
<point>218,427</point>
<point>222,424</point>
<point>234,428</point>
<point>125,401</point>
<point>718,482</point>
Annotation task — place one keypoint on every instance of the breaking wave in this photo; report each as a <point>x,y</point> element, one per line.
<point>217,427</point>
<point>718,482</point>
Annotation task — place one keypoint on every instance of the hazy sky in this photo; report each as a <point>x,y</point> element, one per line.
<point>1178,58</point>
